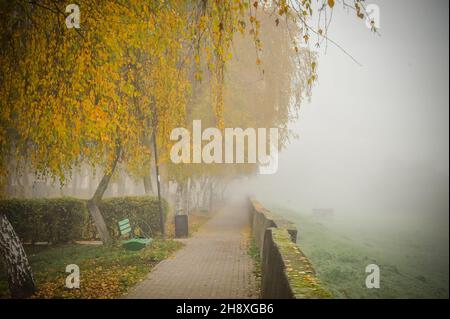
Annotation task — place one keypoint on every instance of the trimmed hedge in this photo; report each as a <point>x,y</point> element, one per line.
<point>143,212</point>
<point>60,220</point>
<point>55,220</point>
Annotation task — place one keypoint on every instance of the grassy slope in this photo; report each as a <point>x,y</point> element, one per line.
<point>409,267</point>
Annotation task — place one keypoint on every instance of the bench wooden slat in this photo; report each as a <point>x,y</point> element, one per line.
<point>125,231</point>
<point>124,222</point>
<point>124,226</point>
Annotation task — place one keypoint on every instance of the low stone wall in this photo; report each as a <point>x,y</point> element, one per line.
<point>286,272</point>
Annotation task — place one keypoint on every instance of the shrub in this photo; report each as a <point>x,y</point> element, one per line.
<point>55,220</point>
<point>142,211</point>
<point>60,220</point>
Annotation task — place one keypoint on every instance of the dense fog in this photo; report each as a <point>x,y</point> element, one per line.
<point>373,140</point>
<point>370,161</point>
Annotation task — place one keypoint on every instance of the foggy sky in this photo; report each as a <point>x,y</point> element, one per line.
<point>374,138</point>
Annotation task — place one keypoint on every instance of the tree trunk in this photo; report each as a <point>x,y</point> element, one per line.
<point>10,188</point>
<point>122,185</point>
<point>75,183</point>
<point>196,195</point>
<point>147,178</point>
<point>20,277</point>
<point>187,196</point>
<point>99,222</point>
<point>91,181</point>
<point>148,187</point>
<point>204,194</point>
<point>95,200</point>
<point>27,193</point>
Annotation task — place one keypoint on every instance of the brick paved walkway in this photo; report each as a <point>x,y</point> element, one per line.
<point>213,264</point>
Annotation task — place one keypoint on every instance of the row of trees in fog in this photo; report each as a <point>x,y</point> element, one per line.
<point>99,97</point>
<point>92,104</point>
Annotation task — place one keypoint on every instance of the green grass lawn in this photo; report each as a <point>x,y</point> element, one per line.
<point>412,265</point>
<point>105,272</point>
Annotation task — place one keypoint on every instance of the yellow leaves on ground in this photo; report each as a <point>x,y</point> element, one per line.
<point>98,283</point>
<point>105,272</point>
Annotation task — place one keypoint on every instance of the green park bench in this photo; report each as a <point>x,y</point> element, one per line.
<point>135,243</point>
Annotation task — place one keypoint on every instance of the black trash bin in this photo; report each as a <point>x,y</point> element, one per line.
<point>181,226</point>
